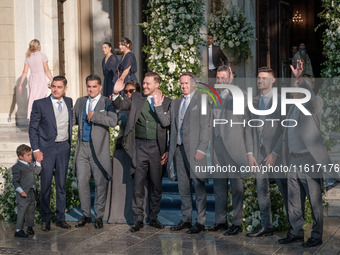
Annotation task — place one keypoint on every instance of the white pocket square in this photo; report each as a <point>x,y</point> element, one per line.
<point>195,108</point>
<point>102,110</point>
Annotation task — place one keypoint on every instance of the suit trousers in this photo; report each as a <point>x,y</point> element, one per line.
<point>301,184</point>
<point>26,209</point>
<point>185,189</point>
<point>85,167</point>
<point>148,167</point>
<point>222,157</point>
<point>55,163</point>
<point>263,192</point>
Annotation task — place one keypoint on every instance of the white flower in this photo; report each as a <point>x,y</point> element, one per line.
<point>174,46</point>
<point>191,40</point>
<point>191,60</point>
<point>230,44</point>
<point>172,67</point>
<point>170,27</point>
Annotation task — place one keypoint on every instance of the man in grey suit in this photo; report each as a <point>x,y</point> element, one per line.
<point>264,148</point>
<point>93,114</point>
<point>145,141</point>
<point>189,138</point>
<point>228,148</point>
<point>215,57</point>
<point>302,145</point>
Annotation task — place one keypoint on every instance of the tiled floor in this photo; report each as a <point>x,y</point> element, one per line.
<point>116,239</point>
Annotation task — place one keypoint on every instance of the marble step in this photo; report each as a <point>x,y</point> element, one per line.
<point>8,158</point>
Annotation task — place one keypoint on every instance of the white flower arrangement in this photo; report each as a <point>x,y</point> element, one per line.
<point>231,31</point>
<point>174,32</point>
<point>330,91</point>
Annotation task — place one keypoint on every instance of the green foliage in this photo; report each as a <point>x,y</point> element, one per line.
<point>330,91</point>
<point>8,210</point>
<point>251,209</point>
<point>173,28</point>
<point>232,32</point>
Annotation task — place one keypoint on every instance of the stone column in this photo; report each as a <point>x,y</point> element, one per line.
<point>33,19</point>
<point>71,44</point>
<point>7,63</point>
<point>132,16</point>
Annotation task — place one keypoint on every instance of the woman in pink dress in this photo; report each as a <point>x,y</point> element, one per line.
<point>37,85</point>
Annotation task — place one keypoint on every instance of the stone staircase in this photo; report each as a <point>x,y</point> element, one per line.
<point>10,138</point>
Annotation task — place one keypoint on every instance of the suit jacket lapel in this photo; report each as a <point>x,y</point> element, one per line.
<point>100,105</point>
<point>81,106</point>
<point>50,108</point>
<point>177,105</point>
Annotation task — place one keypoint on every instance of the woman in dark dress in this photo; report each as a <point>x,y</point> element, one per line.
<point>110,72</point>
<point>120,191</point>
<point>128,64</point>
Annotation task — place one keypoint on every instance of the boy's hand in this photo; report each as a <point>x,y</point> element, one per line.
<point>23,194</point>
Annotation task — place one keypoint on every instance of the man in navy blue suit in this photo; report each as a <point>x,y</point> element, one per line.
<point>50,133</point>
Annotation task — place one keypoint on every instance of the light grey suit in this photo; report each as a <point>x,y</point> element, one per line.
<point>195,137</point>
<point>94,156</point>
<point>271,142</point>
<point>302,183</point>
<point>24,177</point>
<point>228,145</point>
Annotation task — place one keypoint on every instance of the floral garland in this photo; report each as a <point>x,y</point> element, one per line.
<point>232,32</point>
<point>330,91</point>
<point>174,32</point>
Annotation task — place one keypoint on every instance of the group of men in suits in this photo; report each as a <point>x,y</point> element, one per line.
<point>152,119</point>
<point>50,133</point>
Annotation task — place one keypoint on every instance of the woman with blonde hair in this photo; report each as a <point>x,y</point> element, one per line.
<point>128,65</point>
<point>37,86</point>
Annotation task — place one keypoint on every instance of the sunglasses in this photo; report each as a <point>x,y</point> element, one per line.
<point>130,90</point>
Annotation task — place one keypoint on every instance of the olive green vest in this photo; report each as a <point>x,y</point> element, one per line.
<point>146,126</point>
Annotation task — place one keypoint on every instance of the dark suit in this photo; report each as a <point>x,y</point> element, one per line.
<point>195,137</point>
<point>145,154</point>
<point>261,145</point>
<point>43,132</point>
<point>228,143</point>
<point>94,156</point>
<point>24,177</point>
<point>218,57</point>
<point>301,183</point>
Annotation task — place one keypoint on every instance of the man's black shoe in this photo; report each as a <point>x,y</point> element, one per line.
<point>98,223</point>
<point>181,225</point>
<point>233,230</point>
<point>312,242</point>
<point>83,220</point>
<point>62,224</point>
<point>20,233</point>
<point>195,229</point>
<point>46,226</point>
<point>30,231</point>
<point>156,224</point>
<point>291,239</point>
<point>261,232</point>
<point>136,226</point>
<point>218,227</point>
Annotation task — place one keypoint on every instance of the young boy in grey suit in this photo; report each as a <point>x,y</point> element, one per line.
<point>24,183</point>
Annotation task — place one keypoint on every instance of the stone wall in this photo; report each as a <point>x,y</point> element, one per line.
<point>7,62</point>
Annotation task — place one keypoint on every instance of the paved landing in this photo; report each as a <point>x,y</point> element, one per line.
<point>116,239</point>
